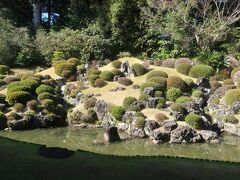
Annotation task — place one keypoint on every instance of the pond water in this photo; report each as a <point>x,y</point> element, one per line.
<point>228,149</point>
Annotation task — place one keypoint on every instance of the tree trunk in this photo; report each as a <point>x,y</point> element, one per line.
<point>36,13</point>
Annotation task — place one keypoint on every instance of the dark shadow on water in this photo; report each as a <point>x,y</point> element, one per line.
<point>54,152</point>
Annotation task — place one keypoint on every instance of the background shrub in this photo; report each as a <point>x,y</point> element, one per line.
<point>194,121</point>
<point>157,73</point>
<point>106,75</point>
<point>125,81</point>
<point>45,88</point>
<point>118,112</point>
<point>232,96</point>
<point>128,101</point>
<point>176,82</point>
<point>18,97</point>
<point>138,69</point>
<point>201,70</point>
<point>4,70</point>
<point>117,64</point>
<point>184,68</point>
<point>99,83</point>
<point>173,94</point>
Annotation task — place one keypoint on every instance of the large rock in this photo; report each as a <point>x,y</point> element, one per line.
<point>208,136</point>
<point>21,124</point>
<point>178,116</point>
<point>160,136</point>
<point>140,104</point>
<point>108,121</point>
<point>232,128</point>
<point>100,108</point>
<point>125,68</point>
<point>149,126</point>
<point>128,116</point>
<point>149,91</point>
<point>111,135</point>
<point>122,126</point>
<point>135,132</point>
<point>169,125</point>
<point>152,102</point>
<point>203,83</point>
<point>60,81</point>
<point>3,107</point>
<point>185,134</point>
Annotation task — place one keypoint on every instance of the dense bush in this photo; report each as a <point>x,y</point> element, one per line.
<point>197,94</point>
<point>32,105</point>
<point>138,69</point>
<point>118,112</point>
<point>128,101</point>
<point>74,61</point>
<point>176,82</point>
<point>232,96</point>
<point>161,103</point>
<point>117,72</point>
<point>4,70</point>
<point>194,121</point>
<point>2,98</point>
<point>3,121</point>
<point>230,119</point>
<point>138,122</point>
<point>157,73</point>
<point>125,81</point>
<point>32,84</point>
<point>92,79</point>
<point>173,94</point>
<point>160,117</point>
<point>183,68</point>
<point>64,66</point>
<point>19,107</point>
<point>169,63</point>
<point>18,87</point>
<point>106,75</point>
<point>49,104</point>
<point>117,64</point>
<point>159,80</point>
<point>93,71</point>
<point>201,70</point>
<point>134,108</point>
<point>46,95</point>
<point>18,97</point>
<point>183,99</point>
<point>99,83</point>
<point>155,86</point>
<point>45,88</point>
<point>143,97</point>
<point>178,108</point>
<point>158,94</point>
<point>90,103</point>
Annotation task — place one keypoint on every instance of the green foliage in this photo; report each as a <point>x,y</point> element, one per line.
<point>92,79</point>
<point>230,119</point>
<point>143,97</point>
<point>117,64</point>
<point>159,80</point>
<point>183,99</point>
<point>134,108</point>
<point>197,94</point>
<point>158,93</point>
<point>32,105</point>
<point>118,112</point>
<point>161,103</point>
<point>64,66</point>
<point>28,57</point>
<point>128,101</point>
<point>138,69</point>
<point>215,100</point>
<point>2,98</point>
<point>18,97</point>
<point>194,121</point>
<point>176,82</point>
<point>90,103</point>
<point>138,122</point>
<point>57,57</point>
<point>228,82</point>
<point>99,83</point>
<point>45,88</point>
<point>46,95</point>
<point>74,61</point>
<point>235,70</point>
<point>19,107</point>
<point>106,75</point>
<point>117,72</point>
<point>201,70</point>
<point>232,96</point>
<point>4,69</point>
<point>93,71</point>
<point>173,94</point>
<point>184,68</point>
<point>49,104</point>
<point>125,81</point>
<point>124,54</point>
<point>32,84</point>
<point>157,73</point>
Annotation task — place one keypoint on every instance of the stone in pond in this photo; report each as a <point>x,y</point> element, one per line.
<point>111,135</point>
<point>54,152</point>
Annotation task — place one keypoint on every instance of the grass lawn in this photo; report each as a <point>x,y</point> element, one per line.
<point>21,161</point>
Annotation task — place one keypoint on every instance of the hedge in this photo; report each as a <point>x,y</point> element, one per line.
<point>60,67</point>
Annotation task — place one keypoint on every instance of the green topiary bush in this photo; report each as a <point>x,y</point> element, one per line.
<point>143,97</point>
<point>134,108</point>
<point>106,75</point>
<point>90,103</point>
<point>46,95</point>
<point>138,69</point>
<point>74,61</point>
<point>183,99</point>
<point>197,94</point>
<point>99,83</point>
<point>138,122</point>
<point>173,94</point>
<point>19,107</point>
<point>158,94</point>
<point>128,101</point>
<point>157,73</point>
<point>92,79</point>
<point>125,81</point>
<point>176,82</point>
<point>160,117</point>
<point>194,121</point>
<point>32,105</point>
<point>230,119</point>
<point>183,68</point>
<point>117,64</point>
<point>178,107</point>
<point>201,70</point>
<point>156,86</point>
<point>161,103</point>
<point>18,87</point>
<point>232,96</point>
<point>4,70</point>
<point>117,72</point>
<point>45,88</point>
<point>118,112</point>
<point>64,66</point>
<point>160,80</point>
<point>32,84</point>
<point>18,97</point>
<point>139,114</point>
<point>49,104</point>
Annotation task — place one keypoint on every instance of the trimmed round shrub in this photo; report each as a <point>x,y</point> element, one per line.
<point>99,83</point>
<point>60,67</point>
<point>143,97</point>
<point>201,70</point>
<point>2,98</point>
<point>66,74</point>
<point>117,64</point>
<point>117,72</point>
<point>81,69</point>
<point>158,94</point>
<point>157,73</point>
<point>235,70</point>
<point>4,70</point>
<point>106,75</point>
<point>197,94</point>
<point>173,94</point>
<point>90,103</point>
<point>138,122</point>
<point>93,71</point>
<point>92,79</point>
<point>160,80</point>
<point>32,84</point>
<point>74,61</point>
<point>184,68</point>
<point>178,108</point>
<point>19,107</point>
<point>161,103</point>
<point>18,97</point>
<point>134,108</point>
<point>169,63</point>
<point>176,82</point>
<point>139,114</point>
<point>10,79</point>
<point>45,88</point>
<point>49,104</point>
<point>18,87</point>
<point>228,82</point>
<point>160,117</point>
<point>46,95</point>
<point>194,121</point>
<point>128,101</point>
<point>32,105</point>
<point>155,86</point>
<point>182,61</point>
<point>118,112</point>
<point>230,119</point>
<point>125,81</point>
<point>183,99</point>
<point>189,82</point>
<point>232,96</point>
<point>138,69</point>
